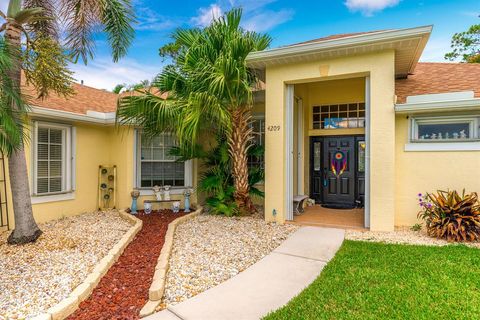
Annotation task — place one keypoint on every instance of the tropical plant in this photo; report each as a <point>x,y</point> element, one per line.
<point>209,88</point>
<point>416,227</point>
<point>217,179</point>
<point>119,87</point>
<point>44,62</point>
<point>466,45</point>
<point>11,125</point>
<point>144,84</point>
<point>451,216</point>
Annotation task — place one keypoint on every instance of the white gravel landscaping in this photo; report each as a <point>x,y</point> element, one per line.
<point>207,250</point>
<point>34,277</point>
<point>403,235</point>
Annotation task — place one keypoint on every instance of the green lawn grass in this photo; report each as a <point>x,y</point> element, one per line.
<point>385,281</point>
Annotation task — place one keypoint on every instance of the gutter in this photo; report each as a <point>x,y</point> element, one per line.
<point>439,106</point>
<point>104,118</point>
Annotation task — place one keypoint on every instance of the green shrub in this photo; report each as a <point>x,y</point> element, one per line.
<point>217,180</point>
<point>416,227</point>
<point>451,216</point>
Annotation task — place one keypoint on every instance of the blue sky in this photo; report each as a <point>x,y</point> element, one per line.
<point>286,21</point>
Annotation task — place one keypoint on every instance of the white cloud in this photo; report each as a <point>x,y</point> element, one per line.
<point>149,19</point>
<point>207,15</point>
<point>267,20</point>
<point>256,16</point>
<point>102,73</point>
<point>369,7</point>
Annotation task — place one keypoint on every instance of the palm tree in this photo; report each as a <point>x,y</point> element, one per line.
<point>10,123</point>
<point>209,89</point>
<point>45,64</point>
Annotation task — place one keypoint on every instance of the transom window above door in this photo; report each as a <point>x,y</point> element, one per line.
<point>339,116</point>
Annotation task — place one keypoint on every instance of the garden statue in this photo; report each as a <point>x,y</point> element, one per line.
<point>176,207</point>
<point>158,192</point>
<point>147,207</point>
<point>166,194</point>
<point>135,194</point>
<point>188,191</point>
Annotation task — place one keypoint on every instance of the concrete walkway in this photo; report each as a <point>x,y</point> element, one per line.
<point>268,284</point>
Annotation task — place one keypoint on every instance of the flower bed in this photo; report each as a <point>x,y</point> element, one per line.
<point>36,276</point>
<point>123,291</point>
<point>402,235</point>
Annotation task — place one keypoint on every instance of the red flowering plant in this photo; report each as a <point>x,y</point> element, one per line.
<point>451,216</point>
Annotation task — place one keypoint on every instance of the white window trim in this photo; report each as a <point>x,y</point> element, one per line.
<point>68,183</point>
<point>146,191</point>
<point>53,198</point>
<point>472,144</point>
<point>258,116</point>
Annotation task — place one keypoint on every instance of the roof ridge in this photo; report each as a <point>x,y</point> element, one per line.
<point>93,88</point>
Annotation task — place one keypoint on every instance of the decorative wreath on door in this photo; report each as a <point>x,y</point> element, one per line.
<point>339,163</point>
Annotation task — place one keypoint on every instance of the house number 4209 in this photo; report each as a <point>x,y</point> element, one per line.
<point>273,128</point>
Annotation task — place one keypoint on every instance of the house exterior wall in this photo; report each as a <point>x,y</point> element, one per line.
<point>94,145</point>
<point>92,149</point>
<point>420,172</point>
<point>380,68</point>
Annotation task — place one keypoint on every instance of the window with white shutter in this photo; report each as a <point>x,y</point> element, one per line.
<point>52,159</point>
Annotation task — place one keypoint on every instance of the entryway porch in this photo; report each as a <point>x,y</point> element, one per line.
<point>319,216</point>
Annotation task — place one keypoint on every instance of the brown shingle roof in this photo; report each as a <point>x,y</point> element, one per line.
<point>428,78</point>
<point>85,98</point>
<point>435,77</point>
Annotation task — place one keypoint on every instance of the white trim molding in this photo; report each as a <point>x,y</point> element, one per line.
<point>107,118</point>
<point>367,152</point>
<point>68,164</point>
<point>442,146</point>
<point>300,137</point>
<point>400,40</point>
<point>53,198</point>
<point>288,138</point>
<point>439,106</point>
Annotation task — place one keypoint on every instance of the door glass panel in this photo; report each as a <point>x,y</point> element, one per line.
<point>361,156</point>
<point>316,156</point>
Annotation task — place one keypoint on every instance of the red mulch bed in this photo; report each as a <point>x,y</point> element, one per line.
<point>123,291</point>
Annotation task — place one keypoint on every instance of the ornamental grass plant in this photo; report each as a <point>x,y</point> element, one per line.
<point>451,216</point>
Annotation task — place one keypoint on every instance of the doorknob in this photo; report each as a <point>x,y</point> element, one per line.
<point>325,181</point>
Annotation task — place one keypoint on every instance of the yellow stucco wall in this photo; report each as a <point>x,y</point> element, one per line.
<point>427,172</point>
<point>95,145</point>
<point>380,68</point>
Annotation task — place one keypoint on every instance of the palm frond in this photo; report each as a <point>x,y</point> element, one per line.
<point>12,133</point>
<point>47,26</point>
<point>117,18</point>
<point>81,18</point>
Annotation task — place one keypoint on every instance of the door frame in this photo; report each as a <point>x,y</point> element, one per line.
<point>321,139</point>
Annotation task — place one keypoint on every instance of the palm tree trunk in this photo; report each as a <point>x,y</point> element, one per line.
<point>26,229</point>
<point>239,142</point>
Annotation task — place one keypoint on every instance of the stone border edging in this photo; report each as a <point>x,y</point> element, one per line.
<point>70,304</point>
<point>157,288</point>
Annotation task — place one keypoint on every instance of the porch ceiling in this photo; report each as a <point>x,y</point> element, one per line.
<point>407,43</point>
